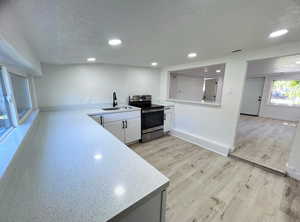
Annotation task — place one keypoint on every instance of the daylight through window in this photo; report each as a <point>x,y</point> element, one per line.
<point>285,92</point>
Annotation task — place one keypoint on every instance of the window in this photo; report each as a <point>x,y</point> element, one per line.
<point>5,122</point>
<point>201,84</point>
<point>285,92</point>
<point>21,94</point>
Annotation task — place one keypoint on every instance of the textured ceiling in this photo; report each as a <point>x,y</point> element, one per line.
<point>285,64</point>
<point>69,31</point>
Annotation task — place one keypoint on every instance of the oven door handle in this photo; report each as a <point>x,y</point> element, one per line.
<point>152,111</point>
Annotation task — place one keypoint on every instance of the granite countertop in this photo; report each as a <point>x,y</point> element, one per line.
<point>70,169</point>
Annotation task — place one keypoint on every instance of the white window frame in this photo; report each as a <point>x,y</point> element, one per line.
<point>18,120</point>
<point>271,87</point>
<point>4,74</point>
<point>11,99</point>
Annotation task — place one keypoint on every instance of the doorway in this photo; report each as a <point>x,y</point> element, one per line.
<point>269,113</point>
<point>252,96</point>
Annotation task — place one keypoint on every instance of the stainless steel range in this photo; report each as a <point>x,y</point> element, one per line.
<point>152,116</point>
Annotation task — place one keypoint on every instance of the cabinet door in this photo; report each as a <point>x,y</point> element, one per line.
<point>167,120</point>
<point>133,130</point>
<point>151,209</point>
<point>116,128</point>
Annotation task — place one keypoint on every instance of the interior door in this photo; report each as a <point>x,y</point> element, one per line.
<point>116,128</point>
<point>252,96</point>
<point>132,130</point>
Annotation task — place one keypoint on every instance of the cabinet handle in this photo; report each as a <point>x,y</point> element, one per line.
<point>126,123</point>
<point>101,120</point>
<point>123,124</point>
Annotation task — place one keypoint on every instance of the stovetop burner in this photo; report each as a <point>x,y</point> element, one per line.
<point>143,101</point>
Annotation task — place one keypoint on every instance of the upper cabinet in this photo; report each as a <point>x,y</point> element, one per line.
<point>201,84</point>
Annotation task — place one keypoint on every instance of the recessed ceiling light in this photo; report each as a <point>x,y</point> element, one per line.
<point>218,70</point>
<point>91,59</point>
<point>298,62</point>
<point>97,156</point>
<point>119,190</point>
<point>115,42</point>
<point>154,63</point>
<point>278,33</point>
<point>192,55</point>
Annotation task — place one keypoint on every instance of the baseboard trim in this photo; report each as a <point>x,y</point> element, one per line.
<point>202,142</point>
<point>292,172</point>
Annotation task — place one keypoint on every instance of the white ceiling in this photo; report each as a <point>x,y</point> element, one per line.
<point>285,64</point>
<point>69,31</point>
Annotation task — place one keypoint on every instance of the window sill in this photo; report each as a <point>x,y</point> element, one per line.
<point>6,133</point>
<point>25,116</point>
<point>194,102</point>
<point>10,144</point>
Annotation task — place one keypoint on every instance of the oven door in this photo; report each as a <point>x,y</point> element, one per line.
<point>152,120</point>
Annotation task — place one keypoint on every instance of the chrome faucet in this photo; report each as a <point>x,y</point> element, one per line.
<point>115,101</point>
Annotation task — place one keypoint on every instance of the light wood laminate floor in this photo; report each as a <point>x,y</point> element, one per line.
<point>205,186</point>
<point>264,141</point>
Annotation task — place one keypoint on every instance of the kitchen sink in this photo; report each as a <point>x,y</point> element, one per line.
<point>116,108</point>
<point>111,108</point>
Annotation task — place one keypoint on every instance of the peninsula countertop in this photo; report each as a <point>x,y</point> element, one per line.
<point>70,169</point>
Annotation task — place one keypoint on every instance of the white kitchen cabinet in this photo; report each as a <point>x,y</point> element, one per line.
<point>126,126</point>
<point>116,128</point>
<point>132,130</point>
<point>151,209</point>
<point>168,118</point>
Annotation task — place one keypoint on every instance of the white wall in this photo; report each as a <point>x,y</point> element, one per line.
<point>15,52</point>
<point>278,111</point>
<point>63,85</point>
<point>215,127</point>
<point>186,87</point>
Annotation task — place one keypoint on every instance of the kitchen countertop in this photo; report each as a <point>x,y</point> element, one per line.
<point>70,169</point>
<point>164,103</point>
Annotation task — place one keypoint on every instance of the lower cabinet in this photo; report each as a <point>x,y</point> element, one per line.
<point>150,209</point>
<point>116,128</point>
<point>127,131</point>
<point>126,126</point>
<point>168,119</point>
<point>132,130</point>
